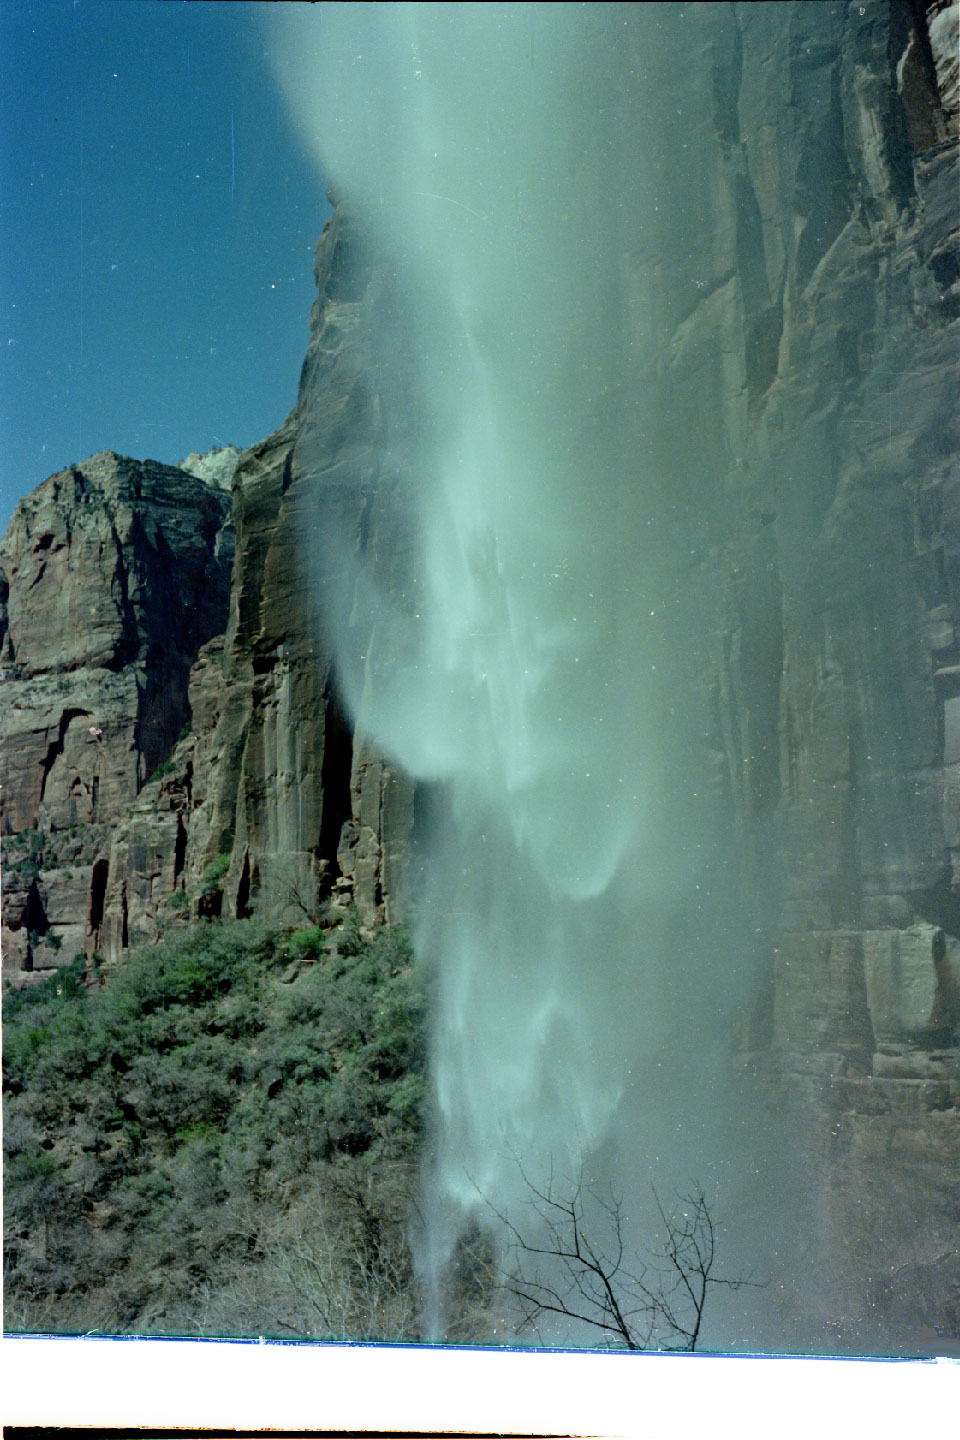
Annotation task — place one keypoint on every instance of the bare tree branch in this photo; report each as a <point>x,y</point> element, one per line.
<point>565,1267</point>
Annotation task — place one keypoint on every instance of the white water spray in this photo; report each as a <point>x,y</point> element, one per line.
<point>490,153</point>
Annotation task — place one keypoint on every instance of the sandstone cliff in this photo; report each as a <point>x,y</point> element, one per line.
<point>796,293</point>
<point>265,798</point>
<point>274,803</point>
<point>116,572</point>
<point>817,501</point>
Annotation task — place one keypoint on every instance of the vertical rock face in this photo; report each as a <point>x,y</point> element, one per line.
<point>116,584</point>
<point>806,292</point>
<point>796,292</point>
<point>303,805</point>
<point>116,573</point>
<point>273,802</point>
<point>342,478</point>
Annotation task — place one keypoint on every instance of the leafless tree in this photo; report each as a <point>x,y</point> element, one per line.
<point>335,1283</point>
<point>334,1264</point>
<point>297,892</point>
<point>573,1263</point>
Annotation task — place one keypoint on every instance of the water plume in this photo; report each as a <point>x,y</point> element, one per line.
<point>522,657</point>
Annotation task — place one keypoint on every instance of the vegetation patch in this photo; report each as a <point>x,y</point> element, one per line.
<point>166,767</point>
<point>214,873</point>
<point>220,1141</point>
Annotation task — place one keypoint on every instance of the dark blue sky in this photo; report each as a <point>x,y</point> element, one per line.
<point>158,221</point>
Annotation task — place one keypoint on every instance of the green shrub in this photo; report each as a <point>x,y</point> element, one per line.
<point>307,944</point>
<point>349,939</point>
<point>141,1196</point>
<point>214,873</point>
<point>407,1101</point>
<point>37,1165</point>
<point>166,767</point>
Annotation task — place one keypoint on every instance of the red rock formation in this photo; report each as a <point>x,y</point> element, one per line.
<point>273,778</point>
<point>117,572</point>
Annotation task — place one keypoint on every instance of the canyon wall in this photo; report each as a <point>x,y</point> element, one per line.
<point>172,744</point>
<point>804,296</point>
<point>115,572</point>
<point>789,321</point>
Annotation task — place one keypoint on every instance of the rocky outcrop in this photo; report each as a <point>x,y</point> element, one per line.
<point>217,466</point>
<point>117,571</point>
<point>301,806</point>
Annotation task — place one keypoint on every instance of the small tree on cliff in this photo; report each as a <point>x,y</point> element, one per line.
<point>573,1266</point>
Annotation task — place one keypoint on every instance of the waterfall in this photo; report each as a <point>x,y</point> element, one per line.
<point>523,655</point>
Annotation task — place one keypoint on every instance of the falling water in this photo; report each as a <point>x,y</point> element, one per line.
<point>497,160</point>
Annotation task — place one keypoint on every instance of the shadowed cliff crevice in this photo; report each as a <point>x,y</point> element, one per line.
<point>335,783</point>
<point>98,893</point>
<point>914,72</point>
<point>823,186</point>
<point>727,72</point>
<point>56,747</point>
